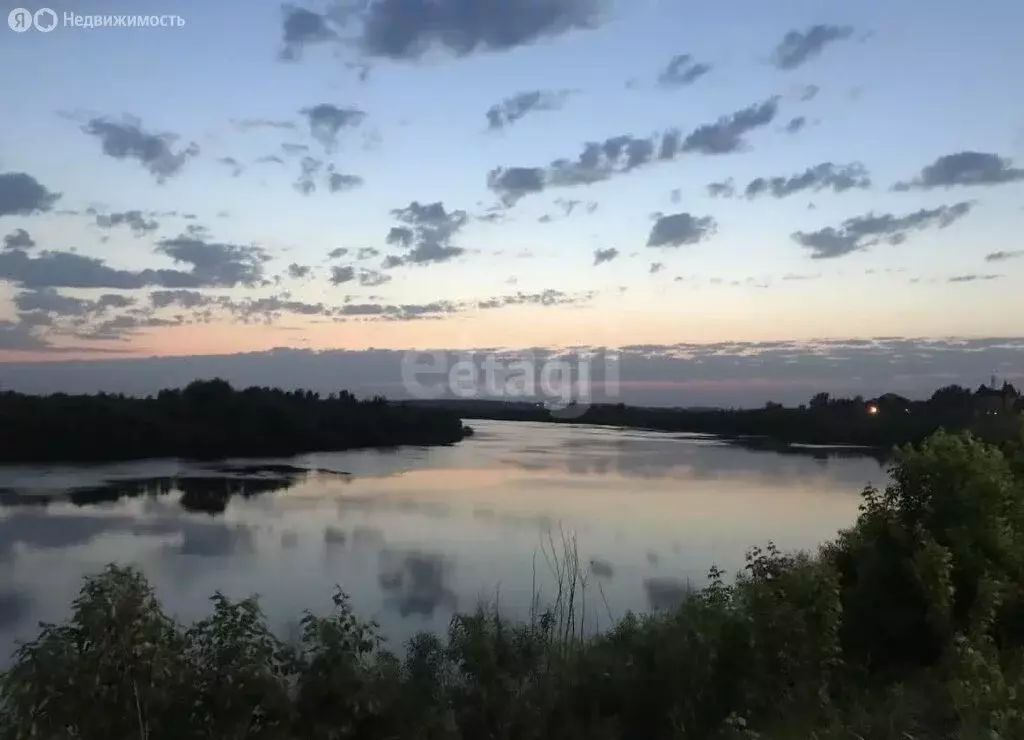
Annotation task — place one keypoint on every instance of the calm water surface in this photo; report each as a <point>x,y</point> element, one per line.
<point>414,535</point>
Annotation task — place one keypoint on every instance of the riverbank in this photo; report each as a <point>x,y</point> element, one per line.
<point>876,425</point>
<point>210,420</point>
<point>907,626</point>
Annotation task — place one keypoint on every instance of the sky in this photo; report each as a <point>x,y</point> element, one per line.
<point>373,176</point>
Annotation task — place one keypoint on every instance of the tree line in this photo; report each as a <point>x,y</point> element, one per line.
<point>209,419</point>
<point>882,422</point>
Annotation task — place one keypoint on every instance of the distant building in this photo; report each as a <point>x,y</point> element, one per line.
<point>989,401</point>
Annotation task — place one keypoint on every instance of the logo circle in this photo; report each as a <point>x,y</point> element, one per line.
<point>42,16</point>
<point>20,20</point>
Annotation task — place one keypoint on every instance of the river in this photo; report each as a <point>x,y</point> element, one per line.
<point>417,534</point>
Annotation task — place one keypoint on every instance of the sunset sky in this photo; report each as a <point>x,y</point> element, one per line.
<point>459,174</point>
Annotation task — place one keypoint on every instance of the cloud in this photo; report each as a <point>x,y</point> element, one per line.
<point>128,140</point>
<point>22,195</point>
<point>69,270</point>
<point>299,272</point>
<point>964,168</point>
<point>972,278</point>
<point>339,182</point>
<point>729,374</point>
<point>327,120</point>
<point>372,278</point>
<point>337,253</point>
<point>618,155</point>
<point>50,301</point>
<point>810,92</point>
<point>824,176</point>
<point>18,337</point>
<point>726,134</point>
<point>134,220</point>
<point>604,255</point>
<point>865,231</point>
<point>301,28</point>
<point>682,70</point>
<point>1002,256</point>
<point>679,229</point>
<point>408,29</point>
<point>250,124</point>
<point>722,189</point>
<point>309,168</point>
<point>427,232</point>
<point>217,264</point>
<point>19,239</point>
<point>798,47</point>
<point>656,267</point>
<point>341,275</point>
<point>366,253</point>
<point>796,124</point>
<point>236,167</point>
<point>183,298</point>
<point>513,108</point>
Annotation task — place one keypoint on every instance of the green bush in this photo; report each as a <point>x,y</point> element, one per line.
<point>906,627</point>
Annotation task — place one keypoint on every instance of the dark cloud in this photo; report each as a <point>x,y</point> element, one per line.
<point>679,229</point>
<point>217,264</point>
<point>810,92</point>
<point>134,220</point>
<point>964,168</point>
<point>798,47</point>
<point>604,255</point>
<point>128,140</point>
<point>50,301</point>
<point>249,124</point>
<point>511,109</point>
<point>309,168</point>
<point>366,253</point>
<point>726,134</point>
<point>622,154</point>
<point>341,275</point>
<point>269,159</point>
<point>1002,256</point>
<point>656,267</point>
<point>299,272</point>
<point>513,183</point>
<point>795,125</point>
<point>372,278</point>
<point>291,148</point>
<point>723,189</point>
<point>236,167</point>
<point>301,28</point>
<point>865,231</point>
<point>337,253</point>
<point>824,176</point>
<point>70,270</point>
<point>427,232</point>
<point>682,70</point>
<point>183,298</point>
<point>407,29</point>
<point>19,239</point>
<point>719,374</point>
<point>327,120</point>
<point>972,278</point>
<point>339,182</point>
<point>22,195</point>
<point>19,337</point>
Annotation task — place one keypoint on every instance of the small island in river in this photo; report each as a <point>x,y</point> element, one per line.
<point>209,419</point>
